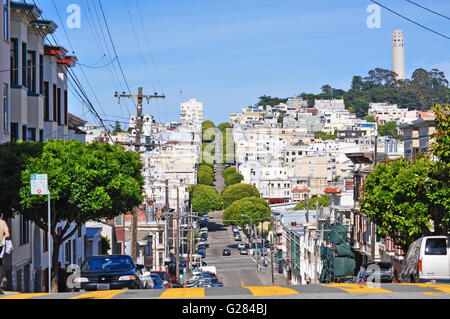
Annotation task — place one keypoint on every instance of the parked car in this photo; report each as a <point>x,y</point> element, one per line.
<point>209,269</point>
<point>238,238</point>
<point>201,245</point>
<point>427,260</point>
<point>157,282</point>
<point>164,276</point>
<point>244,252</point>
<point>383,271</point>
<point>109,272</point>
<point>204,230</point>
<point>204,237</point>
<point>242,246</point>
<point>145,277</point>
<point>226,252</point>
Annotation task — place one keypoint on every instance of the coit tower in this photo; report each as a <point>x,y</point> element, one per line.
<point>398,54</point>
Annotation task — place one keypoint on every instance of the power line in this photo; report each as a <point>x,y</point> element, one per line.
<point>114,48</point>
<point>410,20</point>
<point>420,6</point>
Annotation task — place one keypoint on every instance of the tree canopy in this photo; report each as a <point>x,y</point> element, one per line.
<point>238,191</point>
<point>389,129</point>
<point>324,201</point>
<point>88,182</point>
<point>205,199</point>
<point>250,210</point>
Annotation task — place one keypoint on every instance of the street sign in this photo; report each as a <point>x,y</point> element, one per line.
<point>39,184</point>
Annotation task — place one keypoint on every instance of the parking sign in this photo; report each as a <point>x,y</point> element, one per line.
<point>39,184</point>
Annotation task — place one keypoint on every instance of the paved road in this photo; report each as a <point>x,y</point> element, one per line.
<point>235,270</point>
<point>219,183</point>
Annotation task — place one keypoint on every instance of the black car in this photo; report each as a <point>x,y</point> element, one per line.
<point>109,272</point>
<point>226,252</point>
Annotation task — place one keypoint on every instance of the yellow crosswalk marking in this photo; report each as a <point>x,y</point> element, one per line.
<point>441,287</point>
<point>431,293</point>
<point>357,289</point>
<point>107,294</point>
<point>24,296</point>
<point>271,291</point>
<point>183,293</point>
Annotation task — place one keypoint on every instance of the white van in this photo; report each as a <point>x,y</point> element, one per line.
<point>427,260</point>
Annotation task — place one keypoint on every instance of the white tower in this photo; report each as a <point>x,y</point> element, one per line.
<point>398,54</point>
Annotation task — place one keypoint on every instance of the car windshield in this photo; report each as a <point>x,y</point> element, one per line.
<point>436,246</point>
<point>156,279</point>
<point>108,263</point>
<point>162,275</point>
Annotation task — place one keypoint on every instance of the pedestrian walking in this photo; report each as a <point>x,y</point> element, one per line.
<point>4,235</point>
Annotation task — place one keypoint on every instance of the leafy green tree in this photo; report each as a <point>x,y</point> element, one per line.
<point>105,245</point>
<point>280,119</point>
<point>238,191</point>
<point>324,136</point>
<point>324,201</point>
<point>205,199</point>
<point>88,182</point>
<point>13,158</point>
<point>395,199</point>
<point>224,126</point>
<point>250,210</point>
<point>204,178</point>
<point>229,171</point>
<point>232,179</point>
<point>389,129</point>
<point>117,128</point>
<point>370,118</point>
<point>207,128</point>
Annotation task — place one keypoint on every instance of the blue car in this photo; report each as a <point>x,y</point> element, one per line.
<point>109,272</point>
<point>157,282</point>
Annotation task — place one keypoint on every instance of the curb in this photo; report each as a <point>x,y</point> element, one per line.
<point>1,292</point>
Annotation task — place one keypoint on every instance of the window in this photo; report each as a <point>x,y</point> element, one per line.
<point>14,65</point>
<point>14,132</point>
<point>119,220</point>
<point>41,74</point>
<point>31,71</point>
<point>44,241</point>
<point>6,20</point>
<point>31,135</point>
<point>24,231</point>
<point>436,246</point>
<point>46,102</point>
<point>5,108</point>
<point>161,237</point>
<point>24,64</point>
<point>66,108</point>
<point>59,107</point>
<point>55,105</point>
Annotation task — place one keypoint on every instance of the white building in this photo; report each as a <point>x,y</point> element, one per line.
<point>191,114</point>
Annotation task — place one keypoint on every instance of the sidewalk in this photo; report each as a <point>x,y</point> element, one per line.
<point>265,275</point>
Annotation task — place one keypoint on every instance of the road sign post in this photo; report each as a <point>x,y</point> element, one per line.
<point>39,186</point>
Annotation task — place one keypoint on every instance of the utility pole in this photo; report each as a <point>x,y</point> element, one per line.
<point>140,97</point>
<point>373,237</point>
<point>177,243</point>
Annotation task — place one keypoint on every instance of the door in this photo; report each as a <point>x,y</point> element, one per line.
<point>435,258</point>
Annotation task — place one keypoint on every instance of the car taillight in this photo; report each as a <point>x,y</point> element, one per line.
<point>419,266</point>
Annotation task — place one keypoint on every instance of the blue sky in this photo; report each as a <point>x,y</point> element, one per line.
<point>228,53</point>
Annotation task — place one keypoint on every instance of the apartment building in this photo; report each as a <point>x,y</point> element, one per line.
<point>386,112</point>
<point>192,114</point>
<point>5,64</point>
<point>418,135</point>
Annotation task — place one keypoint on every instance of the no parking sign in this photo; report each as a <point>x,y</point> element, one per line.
<point>39,184</point>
